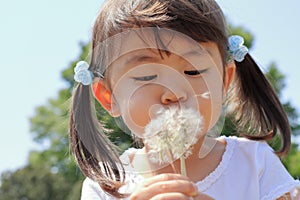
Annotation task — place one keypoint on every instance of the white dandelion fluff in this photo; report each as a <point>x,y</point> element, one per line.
<point>172,133</point>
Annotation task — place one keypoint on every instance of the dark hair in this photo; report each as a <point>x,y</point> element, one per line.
<point>256,104</point>
<point>256,107</point>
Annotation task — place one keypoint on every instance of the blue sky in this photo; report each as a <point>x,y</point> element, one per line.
<point>39,38</point>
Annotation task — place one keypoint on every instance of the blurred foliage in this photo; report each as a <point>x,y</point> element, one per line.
<point>292,160</point>
<point>52,173</point>
<point>37,182</point>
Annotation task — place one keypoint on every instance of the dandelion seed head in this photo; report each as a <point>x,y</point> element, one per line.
<point>172,134</point>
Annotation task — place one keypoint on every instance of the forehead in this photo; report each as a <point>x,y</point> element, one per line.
<point>154,40</point>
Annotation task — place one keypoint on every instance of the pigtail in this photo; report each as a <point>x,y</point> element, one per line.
<point>94,153</point>
<point>257,107</point>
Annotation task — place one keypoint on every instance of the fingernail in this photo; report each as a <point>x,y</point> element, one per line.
<point>195,191</point>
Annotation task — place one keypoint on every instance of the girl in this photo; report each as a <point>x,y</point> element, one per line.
<point>154,56</point>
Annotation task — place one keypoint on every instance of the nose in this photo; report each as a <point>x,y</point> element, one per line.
<point>169,97</point>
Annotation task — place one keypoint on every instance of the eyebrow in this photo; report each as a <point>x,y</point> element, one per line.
<point>195,52</point>
<point>139,57</point>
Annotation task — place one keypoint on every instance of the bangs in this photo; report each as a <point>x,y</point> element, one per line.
<point>203,20</point>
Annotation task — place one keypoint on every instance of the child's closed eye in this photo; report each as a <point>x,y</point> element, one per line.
<point>195,72</point>
<point>145,78</point>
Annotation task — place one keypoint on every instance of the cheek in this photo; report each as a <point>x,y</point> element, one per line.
<point>210,112</point>
<point>216,100</point>
<point>210,99</point>
<point>137,108</point>
<point>204,103</point>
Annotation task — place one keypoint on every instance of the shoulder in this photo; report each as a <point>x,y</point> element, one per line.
<point>240,141</point>
<point>258,154</point>
<point>261,161</point>
<point>249,147</point>
<point>90,184</point>
<point>91,190</point>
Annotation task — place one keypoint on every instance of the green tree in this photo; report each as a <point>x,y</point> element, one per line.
<point>35,183</point>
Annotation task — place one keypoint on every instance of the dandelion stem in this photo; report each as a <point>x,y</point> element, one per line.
<point>182,166</point>
<point>170,156</point>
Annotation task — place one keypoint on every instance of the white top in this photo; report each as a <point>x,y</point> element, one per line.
<point>248,170</point>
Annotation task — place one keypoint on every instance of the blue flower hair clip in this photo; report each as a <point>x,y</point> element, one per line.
<point>82,73</point>
<point>236,48</point>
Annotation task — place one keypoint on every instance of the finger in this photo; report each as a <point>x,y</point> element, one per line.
<point>164,177</point>
<point>184,187</point>
<point>171,196</point>
<point>201,196</point>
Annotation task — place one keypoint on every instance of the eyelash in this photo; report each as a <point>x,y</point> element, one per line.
<point>190,73</point>
<point>195,72</point>
<point>145,78</point>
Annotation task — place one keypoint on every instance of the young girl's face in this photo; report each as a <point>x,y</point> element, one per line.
<point>144,79</point>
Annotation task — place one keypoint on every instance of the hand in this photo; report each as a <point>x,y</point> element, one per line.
<point>168,187</point>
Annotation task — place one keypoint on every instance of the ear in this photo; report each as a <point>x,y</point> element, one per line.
<point>229,75</point>
<point>104,97</point>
